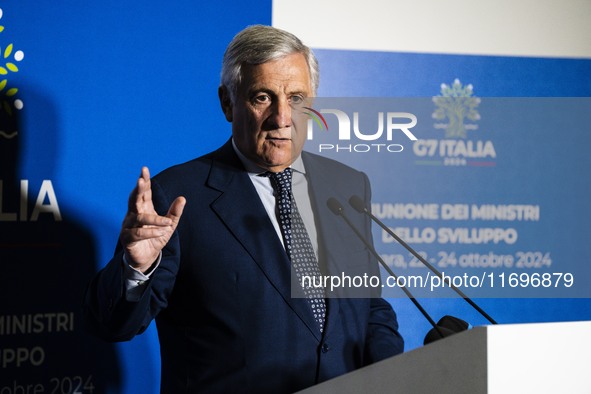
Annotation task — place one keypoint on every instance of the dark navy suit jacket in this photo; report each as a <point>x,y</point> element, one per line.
<point>222,295</point>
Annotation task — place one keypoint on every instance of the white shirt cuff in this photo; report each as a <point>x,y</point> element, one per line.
<point>135,280</point>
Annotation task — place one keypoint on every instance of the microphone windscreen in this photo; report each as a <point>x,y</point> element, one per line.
<point>334,205</point>
<point>357,203</point>
<point>433,335</point>
<point>453,323</point>
<point>448,325</point>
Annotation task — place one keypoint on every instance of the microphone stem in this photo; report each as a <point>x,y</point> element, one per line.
<point>406,291</point>
<point>428,265</point>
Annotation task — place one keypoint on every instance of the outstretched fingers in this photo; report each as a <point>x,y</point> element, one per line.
<point>144,233</point>
<point>140,199</point>
<point>146,226</point>
<point>176,210</point>
<point>142,221</point>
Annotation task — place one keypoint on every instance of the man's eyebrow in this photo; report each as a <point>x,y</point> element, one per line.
<point>270,91</point>
<point>256,90</point>
<point>303,92</point>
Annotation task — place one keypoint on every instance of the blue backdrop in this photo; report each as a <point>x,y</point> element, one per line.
<point>106,88</point>
<point>103,88</point>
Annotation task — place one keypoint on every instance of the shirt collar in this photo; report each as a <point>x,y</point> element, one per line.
<point>253,168</point>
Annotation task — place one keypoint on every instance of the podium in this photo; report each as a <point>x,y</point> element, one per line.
<point>513,358</point>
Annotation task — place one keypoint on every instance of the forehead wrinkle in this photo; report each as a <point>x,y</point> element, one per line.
<point>277,76</point>
<point>276,83</point>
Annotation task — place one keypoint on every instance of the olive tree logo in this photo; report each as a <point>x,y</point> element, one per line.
<point>9,102</point>
<point>456,104</point>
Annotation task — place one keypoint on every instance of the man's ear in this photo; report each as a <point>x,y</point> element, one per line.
<point>225,102</point>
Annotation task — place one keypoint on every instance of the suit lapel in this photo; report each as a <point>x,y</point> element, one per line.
<point>241,210</point>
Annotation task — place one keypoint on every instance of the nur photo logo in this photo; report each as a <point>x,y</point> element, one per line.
<point>359,125</point>
<point>316,117</point>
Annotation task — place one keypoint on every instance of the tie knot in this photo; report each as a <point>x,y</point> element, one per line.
<point>281,181</point>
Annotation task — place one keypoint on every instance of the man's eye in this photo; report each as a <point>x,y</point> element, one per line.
<point>261,99</point>
<point>296,100</point>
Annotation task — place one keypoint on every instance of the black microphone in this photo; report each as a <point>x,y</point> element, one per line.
<point>358,204</point>
<point>448,325</point>
<point>335,206</point>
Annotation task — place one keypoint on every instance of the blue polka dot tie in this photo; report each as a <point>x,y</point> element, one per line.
<point>297,242</point>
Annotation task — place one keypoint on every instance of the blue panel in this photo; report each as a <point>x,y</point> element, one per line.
<point>107,87</point>
<point>541,160</point>
<point>385,74</point>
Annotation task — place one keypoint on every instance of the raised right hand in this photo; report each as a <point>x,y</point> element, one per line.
<point>144,233</point>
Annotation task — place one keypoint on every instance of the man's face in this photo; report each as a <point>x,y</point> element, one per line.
<point>268,125</point>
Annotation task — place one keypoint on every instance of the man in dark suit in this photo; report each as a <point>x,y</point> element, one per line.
<point>206,251</point>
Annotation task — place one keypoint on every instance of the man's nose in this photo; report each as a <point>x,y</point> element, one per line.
<point>281,115</point>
